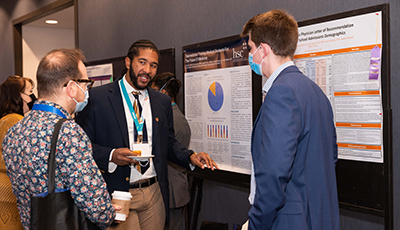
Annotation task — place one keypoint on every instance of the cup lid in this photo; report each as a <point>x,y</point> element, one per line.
<point>122,194</point>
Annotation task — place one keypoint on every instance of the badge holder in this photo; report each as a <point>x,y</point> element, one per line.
<point>144,147</point>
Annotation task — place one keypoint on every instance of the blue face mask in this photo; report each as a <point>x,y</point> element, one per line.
<point>81,105</point>
<point>257,68</point>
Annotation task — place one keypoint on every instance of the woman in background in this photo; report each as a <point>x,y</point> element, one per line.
<point>27,95</point>
<point>166,83</point>
<point>16,99</point>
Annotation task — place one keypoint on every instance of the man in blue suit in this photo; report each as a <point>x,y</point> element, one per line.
<point>128,115</point>
<point>293,144</point>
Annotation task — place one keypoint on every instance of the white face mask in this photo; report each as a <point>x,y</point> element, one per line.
<point>81,105</point>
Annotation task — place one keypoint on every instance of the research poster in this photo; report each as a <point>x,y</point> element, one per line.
<point>343,57</point>
<point>218,103</point>
<point>101,74</point>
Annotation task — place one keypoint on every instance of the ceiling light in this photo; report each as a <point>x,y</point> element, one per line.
<point>51,21</point>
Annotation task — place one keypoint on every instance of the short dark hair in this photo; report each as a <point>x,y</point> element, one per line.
<point>277,28</point>
<point>134,50</point>
<point>56,68</point>
<point>141,44</point>
<point>10,96</point>
<point>172,84</point>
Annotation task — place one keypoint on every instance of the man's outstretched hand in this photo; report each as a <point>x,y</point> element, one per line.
<point>203,160</point>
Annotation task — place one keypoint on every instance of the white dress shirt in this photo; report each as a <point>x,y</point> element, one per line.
<point>144,100</point>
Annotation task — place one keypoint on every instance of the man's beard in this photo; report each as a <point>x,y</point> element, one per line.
<point>134,79</point>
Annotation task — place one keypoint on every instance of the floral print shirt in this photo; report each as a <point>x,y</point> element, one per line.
<point>25,150</point>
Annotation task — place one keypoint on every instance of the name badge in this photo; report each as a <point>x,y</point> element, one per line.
<point>145,148</point>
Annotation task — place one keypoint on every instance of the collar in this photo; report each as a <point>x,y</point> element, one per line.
<point>54,105</point>
<point>274,75</point>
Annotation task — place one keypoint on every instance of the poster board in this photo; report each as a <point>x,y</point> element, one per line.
<point>107,70</point>
<point>364,168</point>
<point>347,55</point>
<point>222,97</point>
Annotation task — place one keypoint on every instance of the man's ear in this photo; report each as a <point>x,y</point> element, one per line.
<point>127,62</point>
<point>265,49</point>
<point>71,90</point>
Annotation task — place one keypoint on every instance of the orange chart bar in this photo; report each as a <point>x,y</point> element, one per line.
<point>358,125</point>
<point>357,93</point>
<point>338,51</point>
<point>357,146</point>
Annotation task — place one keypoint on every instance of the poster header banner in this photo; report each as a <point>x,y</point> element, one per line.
<point>357,31</point>
<point>232,54</point>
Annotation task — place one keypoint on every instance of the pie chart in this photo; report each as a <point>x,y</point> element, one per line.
<point>215,96</point>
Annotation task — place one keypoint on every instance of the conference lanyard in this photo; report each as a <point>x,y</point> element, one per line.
<point>48,108</point>
<point>138,124</point>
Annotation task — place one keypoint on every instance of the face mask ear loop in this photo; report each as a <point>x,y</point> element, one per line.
<point>252,54</point>
<point>81,105</point>
<point>80,87</point>
<point>265,54</point>
<point>261,61</point>
<point>84,91</point>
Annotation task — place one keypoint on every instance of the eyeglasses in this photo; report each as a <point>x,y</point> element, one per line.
<point>89,81</point>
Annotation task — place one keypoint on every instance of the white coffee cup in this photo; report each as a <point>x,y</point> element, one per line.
<point>122,199</point>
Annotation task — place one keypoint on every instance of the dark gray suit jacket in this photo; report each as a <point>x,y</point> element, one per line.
<point>177,175</point>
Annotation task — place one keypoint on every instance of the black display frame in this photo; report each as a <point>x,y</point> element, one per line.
<point>365,186</point>
<point>378,202</point>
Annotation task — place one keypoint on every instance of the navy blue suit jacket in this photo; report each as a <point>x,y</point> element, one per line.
<point>294,155</point>
<point>104,121</point>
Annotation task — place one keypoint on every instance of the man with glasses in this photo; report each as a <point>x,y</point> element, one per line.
<point>63,90</point>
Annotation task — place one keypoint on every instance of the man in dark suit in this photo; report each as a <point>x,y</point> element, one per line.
<point>128,115</point>
<point>293,143</point>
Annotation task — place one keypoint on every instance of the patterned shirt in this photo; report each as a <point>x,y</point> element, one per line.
<point>25,150</point>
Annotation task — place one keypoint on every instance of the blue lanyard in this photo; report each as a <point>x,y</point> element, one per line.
<point>48,108</point>
<point>139,125</point>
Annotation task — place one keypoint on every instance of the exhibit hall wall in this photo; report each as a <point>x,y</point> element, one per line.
<point>10,10</point>
<point>107,28</point>
<point>177,23</point>
<point>35,46</point>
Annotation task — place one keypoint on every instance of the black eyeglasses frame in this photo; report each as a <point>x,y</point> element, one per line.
<point>88,86</point>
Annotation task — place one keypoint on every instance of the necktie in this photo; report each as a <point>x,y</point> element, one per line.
<point>137,107</point>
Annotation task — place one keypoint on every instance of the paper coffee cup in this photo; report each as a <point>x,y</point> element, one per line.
<point>122,199</point>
